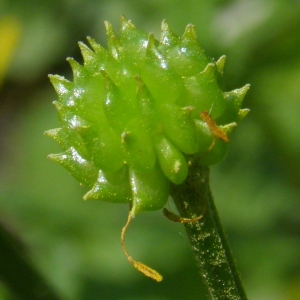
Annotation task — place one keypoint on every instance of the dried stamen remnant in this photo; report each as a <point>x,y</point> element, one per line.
<point>175,218</point>
<point>216,131</point>
<point>147,271</point>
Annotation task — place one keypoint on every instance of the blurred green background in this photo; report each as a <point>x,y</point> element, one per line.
<point>76,244</point>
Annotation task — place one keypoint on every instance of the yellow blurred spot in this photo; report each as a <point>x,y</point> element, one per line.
<point>10,29</point>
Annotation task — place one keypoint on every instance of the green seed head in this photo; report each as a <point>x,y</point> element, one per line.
<point>138,112</point>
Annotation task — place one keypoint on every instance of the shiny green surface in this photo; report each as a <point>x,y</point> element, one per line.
<point>136,106</point>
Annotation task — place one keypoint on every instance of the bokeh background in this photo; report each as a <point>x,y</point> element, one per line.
<point>75,245</point>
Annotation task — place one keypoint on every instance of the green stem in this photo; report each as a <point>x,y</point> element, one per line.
<point>209,243</point>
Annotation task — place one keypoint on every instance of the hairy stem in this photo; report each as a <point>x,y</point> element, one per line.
<point>209,243</point>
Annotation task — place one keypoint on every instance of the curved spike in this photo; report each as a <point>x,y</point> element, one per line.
<point>242,113</point>
<point>233,103</point>
<point>189,34</point>
<point>67,138</point>
<point>82,170</point>
<point>167,37</point>
<point>103,58</point>
<point>126,24</point>
<point>164,84</point>
<point>113,187</point>
<point>238,95</point>
<point>220,64</point>
<point>87,54</point>
<point>64,112</point>
<point>61,85</point>
<point>78,70</point>
<point>53,133</point>
<point>151,43</point>
<point>134,43</point>
<point>242,92</point>
<point>60,136</point>
<point>189,41</point>
<point>153,53</point>
<point>74,64</point>
<point>69,118</point>
<point>59,107</point>
<point>204,86</point>
<point>186,56</point>
<point>209,70</point>
<point>228,127</point>
<point>113,43</point>
<point>95,46</point>
<point>109,29</point>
